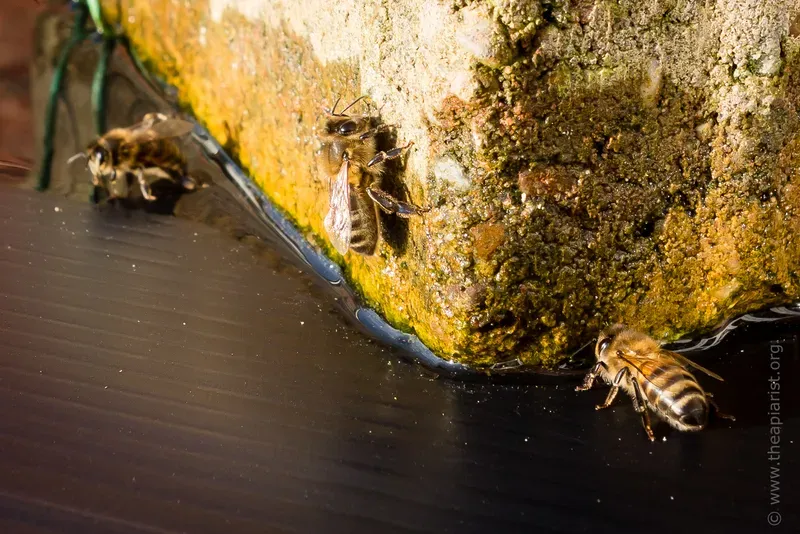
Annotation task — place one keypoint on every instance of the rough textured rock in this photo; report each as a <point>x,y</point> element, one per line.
<point>586,161</point>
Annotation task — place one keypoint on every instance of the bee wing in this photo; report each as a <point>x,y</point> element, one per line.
<point>636,359</point>
<point>172,127</point>
<point>151,129</point>
<point>686,362</point>
<point>337,221</point>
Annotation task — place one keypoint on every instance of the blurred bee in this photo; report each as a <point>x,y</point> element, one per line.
<point>655,378</point>
<point>145,152</point>
<point>354,166</point>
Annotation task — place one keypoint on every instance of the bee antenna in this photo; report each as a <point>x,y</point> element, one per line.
<point>76,156</point>
<point>332,111</point>
<point>353,103</point>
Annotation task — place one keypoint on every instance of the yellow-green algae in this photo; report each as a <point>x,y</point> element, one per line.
<point>614,169</point>
<point>267,115</point>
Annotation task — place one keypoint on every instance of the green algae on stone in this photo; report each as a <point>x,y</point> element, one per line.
<point>586,162</point>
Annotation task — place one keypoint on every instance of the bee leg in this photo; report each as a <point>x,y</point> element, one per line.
<point>614,389</point>
<point>718,413</point>
<point>389,204</point>
<point>188,183</point>
<point>641,407</point>
<point>144,186</point>
<point>389,154</point>
<point>612,394</point>
<point>374,131</point>
<point>591,376</point>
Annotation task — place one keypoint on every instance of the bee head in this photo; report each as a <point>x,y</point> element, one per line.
<point>350,138</point>
<point>99,162</point>
<point>117,184</point>
<point>602,344</point>
<point>606,339</point>
<point>346,126</point>
<point>333,152</point>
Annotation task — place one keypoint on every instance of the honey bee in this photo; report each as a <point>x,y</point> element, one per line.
<point>354,165</point>
<point>145,152</point>
<point>655,378</point>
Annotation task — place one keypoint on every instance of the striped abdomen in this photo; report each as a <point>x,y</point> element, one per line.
<point>363,222</point>
<point>161,153</point>
<point>673,392</point>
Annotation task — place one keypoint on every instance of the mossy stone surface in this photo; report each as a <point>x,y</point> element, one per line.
<point>586,161</point>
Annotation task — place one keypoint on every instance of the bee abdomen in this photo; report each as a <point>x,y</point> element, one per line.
<point>694,412</point>
<point>364,246</point>
<point>363,223</point>
<point>164,154</point>
<point>675,393</point>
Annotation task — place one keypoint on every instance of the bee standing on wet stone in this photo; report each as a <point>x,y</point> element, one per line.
<point>355,166</point>
<point>655,378</point>
<point>141,154</point>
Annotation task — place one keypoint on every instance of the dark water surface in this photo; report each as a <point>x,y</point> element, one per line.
<point>190,374</point>
<point>158,377</point>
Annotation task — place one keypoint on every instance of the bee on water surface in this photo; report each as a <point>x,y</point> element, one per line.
<point>655,378</point>
<point>145,152</point>
<point>354,165</point>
